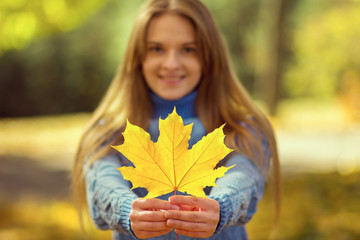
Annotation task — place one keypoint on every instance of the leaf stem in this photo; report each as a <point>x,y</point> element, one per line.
<point>177,235</point>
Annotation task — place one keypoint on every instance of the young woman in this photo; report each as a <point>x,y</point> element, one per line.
<point>175,57</point>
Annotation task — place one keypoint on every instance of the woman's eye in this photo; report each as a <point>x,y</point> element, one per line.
<point>189,50</point>
<point>155,49</point>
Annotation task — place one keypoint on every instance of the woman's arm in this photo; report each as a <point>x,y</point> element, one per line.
<point>239,192</point>
<point>109,196</point>
<point>114,206</point>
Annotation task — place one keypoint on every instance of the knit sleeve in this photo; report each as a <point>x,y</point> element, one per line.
<point>239,192</point>
<point>109,196</point>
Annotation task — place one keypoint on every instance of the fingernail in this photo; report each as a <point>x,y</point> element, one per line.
<point>174,207</point>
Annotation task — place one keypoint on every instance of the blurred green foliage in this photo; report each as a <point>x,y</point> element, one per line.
<point>68,70</point>
<point>325,50</point>
<point>22,20</point>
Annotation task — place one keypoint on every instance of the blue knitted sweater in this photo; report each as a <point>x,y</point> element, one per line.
<point>109,196</point>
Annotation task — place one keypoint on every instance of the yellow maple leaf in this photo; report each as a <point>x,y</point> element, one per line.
<point>168,165</point>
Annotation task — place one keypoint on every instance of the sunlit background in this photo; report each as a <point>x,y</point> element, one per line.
<point>300,60</point>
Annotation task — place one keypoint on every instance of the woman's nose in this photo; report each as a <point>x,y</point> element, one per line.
<point>171,60</point>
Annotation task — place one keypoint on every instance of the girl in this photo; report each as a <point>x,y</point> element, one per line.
<point>175,57</point>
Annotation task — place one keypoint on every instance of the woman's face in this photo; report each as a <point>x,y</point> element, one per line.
<point>172,67</point>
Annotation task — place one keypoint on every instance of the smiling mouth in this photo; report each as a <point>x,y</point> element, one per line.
<point>171,79</point>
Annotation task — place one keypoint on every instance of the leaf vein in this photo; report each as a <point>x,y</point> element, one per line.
<point>156,162</point>
<point>195,162</point>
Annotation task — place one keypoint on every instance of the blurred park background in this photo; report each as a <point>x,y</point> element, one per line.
<point>300,60</point>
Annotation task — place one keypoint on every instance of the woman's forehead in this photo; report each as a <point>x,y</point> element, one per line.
<point>170,26</point>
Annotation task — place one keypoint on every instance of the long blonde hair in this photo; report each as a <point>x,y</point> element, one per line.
<point>221,98</point>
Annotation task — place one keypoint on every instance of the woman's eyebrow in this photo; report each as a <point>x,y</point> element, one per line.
<point>190,43</point>
<point>187,43</point>
<point>153,42</point>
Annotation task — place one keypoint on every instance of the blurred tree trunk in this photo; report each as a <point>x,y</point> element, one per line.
<point>269,62</point>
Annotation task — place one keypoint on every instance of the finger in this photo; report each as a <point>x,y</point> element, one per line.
<point>203,234</point>
<point>203,203</point>
<point>189,226</point>
<point>148,234</point>
<point>194,217</point>
<point>153,203</point>
<point>151,226</point>
<point>188,208</point>
<point>151,216</point>
<point>190,216</point>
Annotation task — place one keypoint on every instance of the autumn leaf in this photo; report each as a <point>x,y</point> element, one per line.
<point>168,165</point>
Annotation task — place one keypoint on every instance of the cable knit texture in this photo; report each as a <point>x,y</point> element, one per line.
<point>109,195</point>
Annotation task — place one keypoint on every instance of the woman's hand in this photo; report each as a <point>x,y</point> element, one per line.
<point>198,217</point>
<point>147,217</point>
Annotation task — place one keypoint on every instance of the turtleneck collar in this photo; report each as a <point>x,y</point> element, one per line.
<point>185,106</point>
